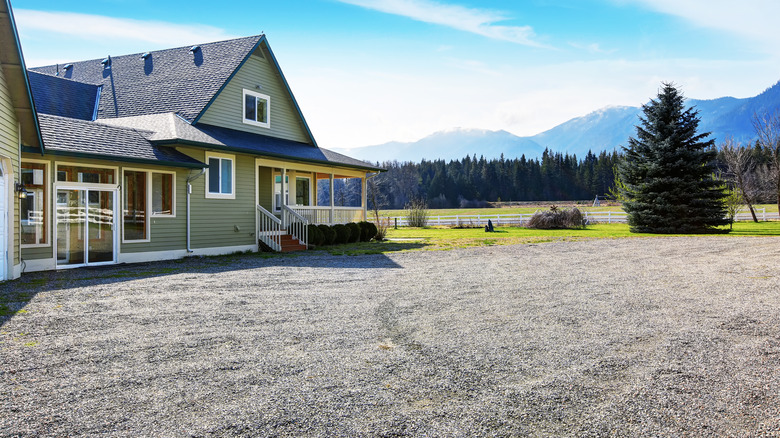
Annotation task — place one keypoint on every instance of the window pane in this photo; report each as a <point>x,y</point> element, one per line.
<point>134,217</point>
<point>213,175</point>
<point>249,107</point>
<point>227,176</point>
<point>262,110</point>
<point>162,193</point>
<point>85,174</point>
<point>302,191</point>
<point>33,216</point>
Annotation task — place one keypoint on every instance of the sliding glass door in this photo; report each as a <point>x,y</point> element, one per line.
<point>86,226</point>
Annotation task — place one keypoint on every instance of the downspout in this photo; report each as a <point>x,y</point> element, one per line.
<point>189,193</point>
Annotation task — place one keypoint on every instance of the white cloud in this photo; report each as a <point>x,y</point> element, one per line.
<point>62,32</point>
<point>477,21</point>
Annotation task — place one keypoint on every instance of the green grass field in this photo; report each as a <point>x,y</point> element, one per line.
<point>436,238</point>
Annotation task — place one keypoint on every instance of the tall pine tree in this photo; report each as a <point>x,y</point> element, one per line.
<point>668,170</point>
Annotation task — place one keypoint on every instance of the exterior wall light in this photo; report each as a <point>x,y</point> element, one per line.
<point>21,190</point>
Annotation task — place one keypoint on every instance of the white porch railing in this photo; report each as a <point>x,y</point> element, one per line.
<point>296,225</point>
<point>269,229</point>
<point>322,214</point>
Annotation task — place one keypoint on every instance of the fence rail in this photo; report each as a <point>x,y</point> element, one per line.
<point>514,220</point>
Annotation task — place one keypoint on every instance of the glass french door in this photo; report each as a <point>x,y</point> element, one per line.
<point>86,226</point>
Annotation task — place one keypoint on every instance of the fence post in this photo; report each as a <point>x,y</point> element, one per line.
<point>396,222</point>
<point>764,214</point>
<point>609,217</point>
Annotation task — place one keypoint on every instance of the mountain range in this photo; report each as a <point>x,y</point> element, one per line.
<point>605,129</point>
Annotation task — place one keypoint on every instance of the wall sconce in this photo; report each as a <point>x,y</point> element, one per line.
<point>19,187</point>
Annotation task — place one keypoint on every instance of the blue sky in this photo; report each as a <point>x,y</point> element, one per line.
<point>370,71</point>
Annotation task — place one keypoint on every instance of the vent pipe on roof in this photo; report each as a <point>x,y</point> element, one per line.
<point>146,55</point>
<point>106,62</point>
<point>67,67</point>
<point>194,49</point>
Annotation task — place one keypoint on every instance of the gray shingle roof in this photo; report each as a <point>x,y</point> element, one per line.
<point>62,97</point>
<point>171,129</point>
<point>172,80</point>
<point>81,137</point>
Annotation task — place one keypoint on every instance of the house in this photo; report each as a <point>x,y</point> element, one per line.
<point>18,126</point>
<point>194,150</point>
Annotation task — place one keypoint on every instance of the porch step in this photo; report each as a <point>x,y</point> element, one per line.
<point>290,244</point>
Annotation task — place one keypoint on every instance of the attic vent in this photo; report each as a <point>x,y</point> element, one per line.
<point>194,49</point>
<point>106,62</point>
<point>146,55</point>
<point>67,67</point>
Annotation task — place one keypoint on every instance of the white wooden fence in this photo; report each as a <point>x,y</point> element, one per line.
<point>514,220</point>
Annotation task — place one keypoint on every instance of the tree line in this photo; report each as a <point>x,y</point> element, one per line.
<point>473,182</point>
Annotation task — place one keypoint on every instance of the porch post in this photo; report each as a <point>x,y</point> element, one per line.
<point>284,186</point>
<point>363,200</point>
<point>331,199</point>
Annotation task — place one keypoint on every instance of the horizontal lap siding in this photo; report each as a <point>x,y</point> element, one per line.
<point>213,222</point>
<point>9,148</point>
<point>228,108</point>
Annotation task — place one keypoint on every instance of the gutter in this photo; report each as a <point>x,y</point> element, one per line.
<point>189,193</point>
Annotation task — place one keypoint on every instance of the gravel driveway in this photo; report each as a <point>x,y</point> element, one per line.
<point>630,337</point>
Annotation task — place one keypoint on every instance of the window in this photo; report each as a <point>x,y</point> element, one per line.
<point>33,216</point>
<point>257,109</point>
<point>220,176</point>
<point>302,190</point>
<point>278,191</point>
<point>85,174</point>
<point>134,213</point>
<point>162,194</point>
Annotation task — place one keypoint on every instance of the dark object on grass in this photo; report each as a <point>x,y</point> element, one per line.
<point>556,218</point>
<point>328,234</point>
<point>489,227</point>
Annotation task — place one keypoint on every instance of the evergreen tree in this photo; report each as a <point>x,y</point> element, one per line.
<point>668,171</point>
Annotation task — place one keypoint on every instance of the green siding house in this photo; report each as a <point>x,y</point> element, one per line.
<point>18,126</point>
<point>195,150</point>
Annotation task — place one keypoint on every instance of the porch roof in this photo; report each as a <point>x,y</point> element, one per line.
<point>169,128</point>
<point>67,136</point>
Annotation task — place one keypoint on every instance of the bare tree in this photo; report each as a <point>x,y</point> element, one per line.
<point>741,173</point>
<point>377,199</point>
<point>767,128</point>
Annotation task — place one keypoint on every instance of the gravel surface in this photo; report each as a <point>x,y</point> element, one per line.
<point>629,337</point>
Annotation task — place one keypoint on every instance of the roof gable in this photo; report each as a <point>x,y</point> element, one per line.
<point>61,97</point>
<point>15,73</point>
<point>177,80</point>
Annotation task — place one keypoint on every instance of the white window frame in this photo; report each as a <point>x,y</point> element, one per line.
<point>46,203</point>
<point>220,195</point>
<point>267,98</point>
<point>172,214</point>
<point>308,179</point>
<point>276,205</point>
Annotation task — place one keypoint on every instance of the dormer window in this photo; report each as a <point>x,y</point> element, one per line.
<point>257,109</point>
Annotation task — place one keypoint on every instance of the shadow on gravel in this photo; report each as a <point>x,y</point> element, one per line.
<point>15,294</point>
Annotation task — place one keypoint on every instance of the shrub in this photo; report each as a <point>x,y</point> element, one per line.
<point>328,234</point>
<point>367,231</point>
<point>417,213</point>
<point>316,237</point>
<point>342,234</point>
<point>355,232</point>
<point>556,218</point>
<point>381,229</point>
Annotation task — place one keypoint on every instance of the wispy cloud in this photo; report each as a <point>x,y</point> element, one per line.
<point>478,21</point>
<point>158,33</point>
<point>754,19</point>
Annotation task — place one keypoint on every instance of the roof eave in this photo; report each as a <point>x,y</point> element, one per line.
<point>167,163</point>
<point>247,151</point>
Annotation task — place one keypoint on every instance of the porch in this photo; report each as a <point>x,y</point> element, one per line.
<point>290,198</point>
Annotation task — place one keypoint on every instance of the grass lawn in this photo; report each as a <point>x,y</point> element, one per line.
<point>440,238</point>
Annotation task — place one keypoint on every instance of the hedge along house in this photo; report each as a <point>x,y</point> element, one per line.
<point>193,150</point>
<point>18,126</point>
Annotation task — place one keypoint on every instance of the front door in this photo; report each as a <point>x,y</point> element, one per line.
<point>86,226</point>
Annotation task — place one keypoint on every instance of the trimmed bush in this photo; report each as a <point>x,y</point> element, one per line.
<point>342,234</point>
<point>556,218</point>
<point>328,234</point>
<point>355,232</point>
<point>369,230</point>
<point>316,238</point>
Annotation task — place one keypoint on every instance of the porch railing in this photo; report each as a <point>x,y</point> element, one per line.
<point>322,214</point>
<point>269,229</point>
<point>296,225</point>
